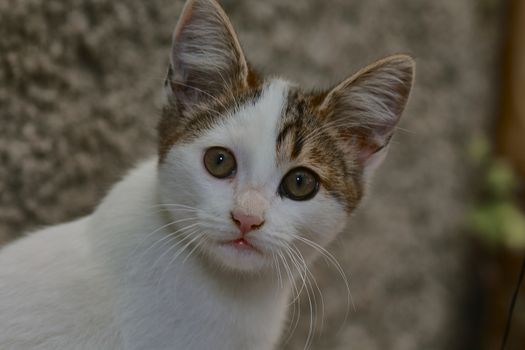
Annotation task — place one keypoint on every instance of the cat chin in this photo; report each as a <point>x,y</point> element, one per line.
<point>234,258</point>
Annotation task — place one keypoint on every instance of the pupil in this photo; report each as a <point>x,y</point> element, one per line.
<point>220,159</point>
<point>299,180</point>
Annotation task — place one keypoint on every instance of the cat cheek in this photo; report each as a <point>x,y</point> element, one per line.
<point>328,219</point>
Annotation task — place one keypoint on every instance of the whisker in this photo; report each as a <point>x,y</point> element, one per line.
<point>181,250</point>
<point>338,267</point>
<point>169,234</point>
<point>186,236</point>
<point>312,279</point>
<point>201,240</point>
<point>148,235</point>
<point>294,322</point>
<point>312,316</point>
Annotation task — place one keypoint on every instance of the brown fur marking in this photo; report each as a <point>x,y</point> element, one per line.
<point>178,124</point>
<point>304,140</point>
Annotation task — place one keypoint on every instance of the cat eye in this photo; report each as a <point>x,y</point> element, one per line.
<point>299,184</point>
<point>220,162</point>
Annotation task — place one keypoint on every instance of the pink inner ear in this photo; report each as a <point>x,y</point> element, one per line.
<point>369,147</point>
<point>366,151</point>
<point>367,143</point>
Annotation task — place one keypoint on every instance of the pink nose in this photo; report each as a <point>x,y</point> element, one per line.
<point>246,223</point>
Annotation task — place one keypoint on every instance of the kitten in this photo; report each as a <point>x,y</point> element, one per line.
<point>194,248</point>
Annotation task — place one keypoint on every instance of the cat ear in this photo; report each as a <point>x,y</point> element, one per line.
<point>206,57</point>
<point>367,107</point>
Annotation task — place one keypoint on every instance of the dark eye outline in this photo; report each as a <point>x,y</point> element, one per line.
<point>223,150</point>
<point>283,191</point>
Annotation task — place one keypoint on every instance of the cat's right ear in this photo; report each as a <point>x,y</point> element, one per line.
<point>206,57</point>
<point>367,107</point>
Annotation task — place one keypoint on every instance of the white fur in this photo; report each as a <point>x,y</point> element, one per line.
<point>116,280</point>
<point>93,284</point>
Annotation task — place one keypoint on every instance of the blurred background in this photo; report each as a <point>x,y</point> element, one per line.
<point>434,253</point>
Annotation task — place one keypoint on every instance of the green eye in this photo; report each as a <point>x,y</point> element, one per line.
<point>299,184</point>
<point>220,162</point>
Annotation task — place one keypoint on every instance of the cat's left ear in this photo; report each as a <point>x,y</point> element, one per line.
<point>206,57</point>
<point>365,108</point>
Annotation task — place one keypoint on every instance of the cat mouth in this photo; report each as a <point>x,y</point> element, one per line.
<point>242,244</point>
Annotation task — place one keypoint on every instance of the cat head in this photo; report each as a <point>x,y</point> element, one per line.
<point>256,170</point>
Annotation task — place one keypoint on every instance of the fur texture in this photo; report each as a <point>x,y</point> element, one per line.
<point>154,267</point>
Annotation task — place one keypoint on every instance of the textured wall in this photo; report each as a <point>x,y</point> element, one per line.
<point>79,95</point>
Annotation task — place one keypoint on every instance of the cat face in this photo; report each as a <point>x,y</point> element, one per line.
<point>253,188</point>
<point>257,172</point>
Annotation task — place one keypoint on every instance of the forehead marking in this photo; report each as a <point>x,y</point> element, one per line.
<point>305,139</point>
<point>252,129</point>
<point>293,127</point>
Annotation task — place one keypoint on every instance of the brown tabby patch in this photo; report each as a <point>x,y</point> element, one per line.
<point>181,124</point>
<point>306,139</point>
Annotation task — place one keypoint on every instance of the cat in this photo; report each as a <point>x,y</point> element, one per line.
<point>200,246</point>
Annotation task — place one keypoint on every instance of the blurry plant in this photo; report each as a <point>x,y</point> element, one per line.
<point>496,217</point>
